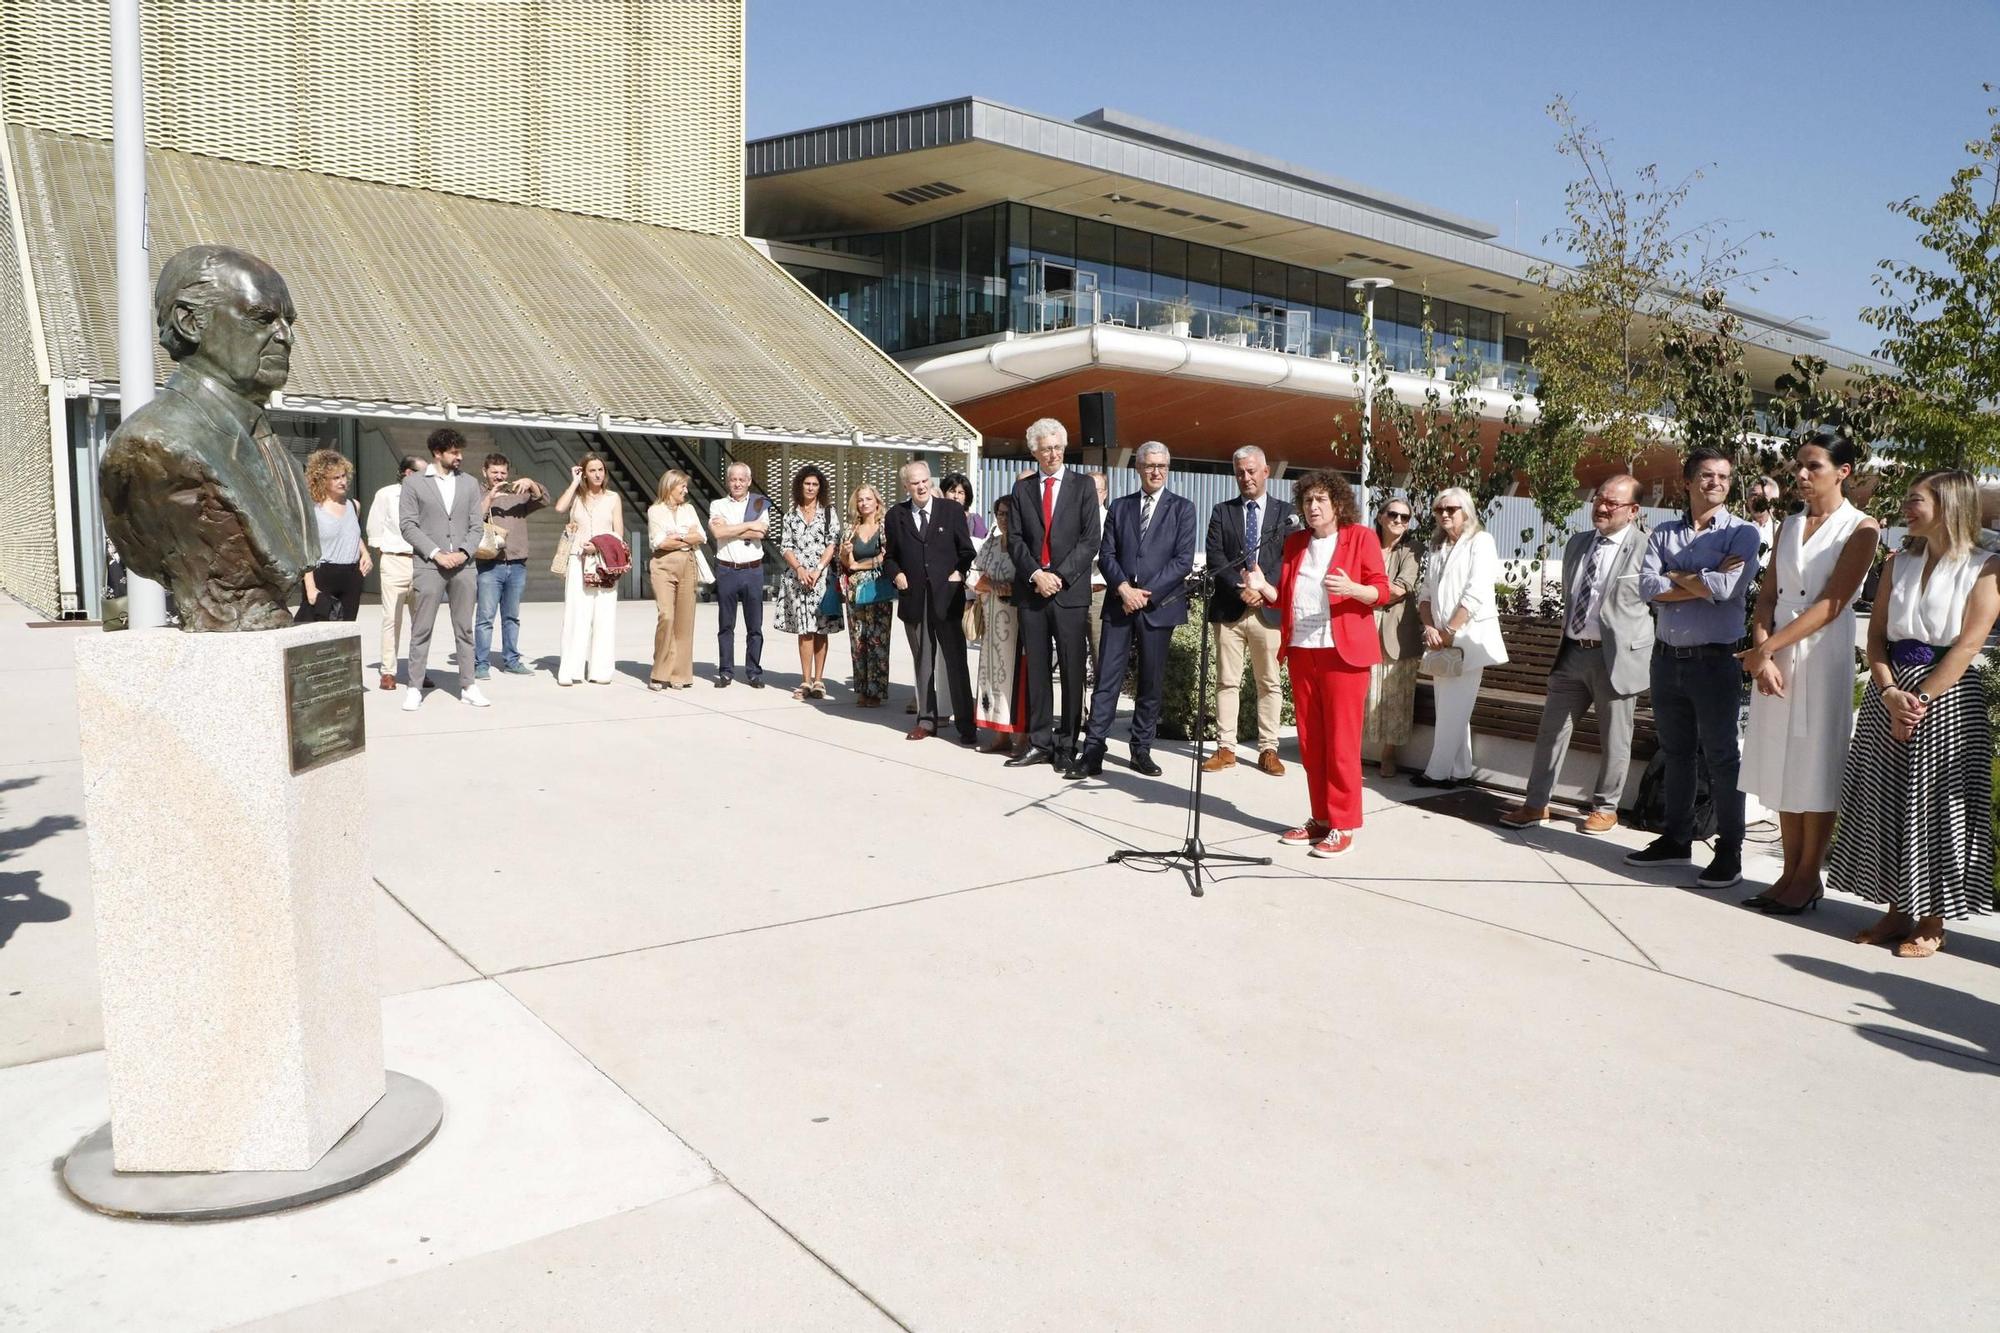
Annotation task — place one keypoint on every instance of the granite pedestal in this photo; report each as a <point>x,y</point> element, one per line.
<point>235,930</point>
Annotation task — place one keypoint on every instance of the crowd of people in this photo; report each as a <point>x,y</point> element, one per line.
<point>1067,595</point>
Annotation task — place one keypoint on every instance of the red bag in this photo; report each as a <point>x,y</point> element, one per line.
<point>611,562</point>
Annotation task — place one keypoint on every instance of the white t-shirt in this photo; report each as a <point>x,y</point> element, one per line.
<point>1312,609</point>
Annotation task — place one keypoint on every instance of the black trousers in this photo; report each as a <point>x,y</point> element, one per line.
<point>931,633</point>
<point>1117,641</point>
<point>1066,630</point>
<point>339,594</point>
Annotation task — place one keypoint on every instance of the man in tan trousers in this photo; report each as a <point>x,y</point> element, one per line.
<point>393,560</point>
<point>1246,627</point>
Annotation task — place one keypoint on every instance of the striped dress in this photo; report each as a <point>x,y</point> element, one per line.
<point>1916,816</point>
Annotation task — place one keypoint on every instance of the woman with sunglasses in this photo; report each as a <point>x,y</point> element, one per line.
<point>1916,805</point>
<point>1392,682</point>
<point>1459,611</point>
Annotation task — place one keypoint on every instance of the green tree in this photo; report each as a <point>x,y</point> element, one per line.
<point>1941,323</point>
<point>1634,269</point>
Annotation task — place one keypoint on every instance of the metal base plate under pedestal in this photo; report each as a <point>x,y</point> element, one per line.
<point>382,1140</point>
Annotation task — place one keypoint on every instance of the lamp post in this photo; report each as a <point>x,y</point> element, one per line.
<point>145,600</point>
<point>1370,286</point>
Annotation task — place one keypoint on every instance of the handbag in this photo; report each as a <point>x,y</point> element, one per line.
<point>1443,663</point>
<point>560,565</point>
<point>492,541</point>
<point>873,590</point>
<point>829,601</point>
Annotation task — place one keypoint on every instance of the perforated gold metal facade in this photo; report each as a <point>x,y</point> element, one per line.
<point>28,562</point>
<point>628,109</point>
<point>413,299</point>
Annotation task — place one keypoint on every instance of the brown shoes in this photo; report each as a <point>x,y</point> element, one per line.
<point>388,681</point>
<point>1600,821</point>
<point>1522,816</point>
<point>1224,757</point>
<point>1268,762</point>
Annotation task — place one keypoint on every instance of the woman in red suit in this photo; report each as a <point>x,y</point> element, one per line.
<point>1328,584</point>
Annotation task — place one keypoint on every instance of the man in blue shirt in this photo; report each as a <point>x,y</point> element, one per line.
<point>1696,574</point>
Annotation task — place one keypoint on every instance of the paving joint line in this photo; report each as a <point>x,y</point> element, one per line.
<point>719,1176</point>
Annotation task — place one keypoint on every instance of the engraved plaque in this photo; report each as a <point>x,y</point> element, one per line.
<point>323,694</point>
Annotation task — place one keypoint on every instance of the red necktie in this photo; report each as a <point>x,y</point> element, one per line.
<point>1048,513</point>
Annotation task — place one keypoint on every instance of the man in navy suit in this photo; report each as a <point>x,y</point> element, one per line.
<point>1052,539</point>
<point>1147,555</point>
<point>1246,626</point>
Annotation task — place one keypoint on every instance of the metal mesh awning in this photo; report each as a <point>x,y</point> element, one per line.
<point>420,301</point>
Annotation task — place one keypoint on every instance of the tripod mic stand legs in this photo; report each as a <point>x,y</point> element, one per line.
<point>1192,854</point>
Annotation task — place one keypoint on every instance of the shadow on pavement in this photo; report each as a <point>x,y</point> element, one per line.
<point>1971,1023</point>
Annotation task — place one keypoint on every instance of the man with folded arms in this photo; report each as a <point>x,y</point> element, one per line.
<point>1697,572</point>
<point>1605,660</point>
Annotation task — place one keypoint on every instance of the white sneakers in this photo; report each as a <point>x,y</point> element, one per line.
<point>471,695</point>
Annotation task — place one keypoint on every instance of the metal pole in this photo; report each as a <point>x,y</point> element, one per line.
<point>1367,400</point>
<point>1369,286</point>
<point>146,601</point>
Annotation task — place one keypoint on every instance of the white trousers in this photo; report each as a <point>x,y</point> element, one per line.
<point>590,626</point>
<point>1452,699</point>
<point>396,581</point>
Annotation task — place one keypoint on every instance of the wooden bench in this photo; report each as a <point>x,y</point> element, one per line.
<point>1511,695</point>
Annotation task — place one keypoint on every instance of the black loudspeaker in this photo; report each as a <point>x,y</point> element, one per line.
<point>1097,418</point>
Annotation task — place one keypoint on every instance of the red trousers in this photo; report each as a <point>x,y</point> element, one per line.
<point>1329,698</point>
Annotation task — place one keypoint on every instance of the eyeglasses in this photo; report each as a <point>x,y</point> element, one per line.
<point>1395,517</point>
<point>1443,510</point>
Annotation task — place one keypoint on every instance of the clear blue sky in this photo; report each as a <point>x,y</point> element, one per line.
<point>1813,115</point>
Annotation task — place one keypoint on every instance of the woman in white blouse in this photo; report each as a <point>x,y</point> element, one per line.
<point>1459,612</point>
<point>1916,797</point>
<point>674,535</point>
<point>590,614</point>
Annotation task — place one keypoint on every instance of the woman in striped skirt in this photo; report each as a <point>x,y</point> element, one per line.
<point>1916,832</point>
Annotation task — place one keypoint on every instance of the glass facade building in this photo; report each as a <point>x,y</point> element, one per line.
<point>1011,267</point>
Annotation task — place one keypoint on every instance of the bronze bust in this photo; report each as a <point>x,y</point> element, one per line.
<point>198,492</point>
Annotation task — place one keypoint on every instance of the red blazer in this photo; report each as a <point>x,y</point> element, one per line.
<point>1358,551</point>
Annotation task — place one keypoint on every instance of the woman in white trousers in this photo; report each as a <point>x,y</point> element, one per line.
<point>590,615</point>
<point>1459,611</point>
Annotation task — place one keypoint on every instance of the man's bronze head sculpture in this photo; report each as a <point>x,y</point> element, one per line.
<point>199,494</point>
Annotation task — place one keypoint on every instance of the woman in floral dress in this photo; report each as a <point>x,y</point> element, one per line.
<point>861,557</point>
<point>810,540</point>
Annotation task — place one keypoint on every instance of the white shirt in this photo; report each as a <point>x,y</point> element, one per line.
<point>664,521</point>
<point>385,516</point>
<point>1932,613</point>
<point>1602,554</point>
<point>447,486</point>
<point>922,517</point>
<point>1103,521</point>
<point>1312,609</point>
<point>743,549</point>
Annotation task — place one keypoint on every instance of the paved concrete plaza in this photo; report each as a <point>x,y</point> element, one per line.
<point>751,1014</point>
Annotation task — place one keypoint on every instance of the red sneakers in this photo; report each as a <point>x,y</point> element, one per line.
<point>1312,832</point>
<point>1333,844</point>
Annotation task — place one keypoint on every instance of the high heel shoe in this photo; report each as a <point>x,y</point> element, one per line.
<point>1774,908</point>
<point>1756,901</point>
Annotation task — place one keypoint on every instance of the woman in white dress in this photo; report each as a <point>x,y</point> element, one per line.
<point>1801,661</point>
<point>590,615</point>
<point>998,688</point>
<point>1459,611</point>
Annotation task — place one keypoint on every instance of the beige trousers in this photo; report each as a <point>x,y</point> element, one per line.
<point>1247,636</point>
<point>673,633</point>
<point>395,604</point>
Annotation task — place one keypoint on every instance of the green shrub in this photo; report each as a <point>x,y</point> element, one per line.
<point>1177,712</point>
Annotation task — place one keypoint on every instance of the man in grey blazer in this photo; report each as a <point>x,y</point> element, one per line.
<point>1606,656</point>
<point>440,516</point>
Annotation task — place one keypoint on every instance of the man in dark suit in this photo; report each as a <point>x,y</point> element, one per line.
<point>928,548</point>
<point>1245,624</point>
<point>1146,556</point>
<point>1052,540</point>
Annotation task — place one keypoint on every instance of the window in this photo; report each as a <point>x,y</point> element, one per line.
<point>947,262</point>
<point>1235,282</point>
<point>1053,236</point>
<point>983,279</point>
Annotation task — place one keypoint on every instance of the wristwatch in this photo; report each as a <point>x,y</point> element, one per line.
<point>1923,695</point>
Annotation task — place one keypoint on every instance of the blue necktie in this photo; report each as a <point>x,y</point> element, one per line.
<point>1250,531</point>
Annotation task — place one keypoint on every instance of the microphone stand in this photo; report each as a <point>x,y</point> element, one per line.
<point>1193,856</point>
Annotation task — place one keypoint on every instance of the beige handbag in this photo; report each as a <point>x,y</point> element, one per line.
<point>560,565</point>
<point>492,542</point>
<point>1443,663</point>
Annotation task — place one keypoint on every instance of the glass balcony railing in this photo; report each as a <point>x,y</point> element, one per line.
<point>1268,327</point>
